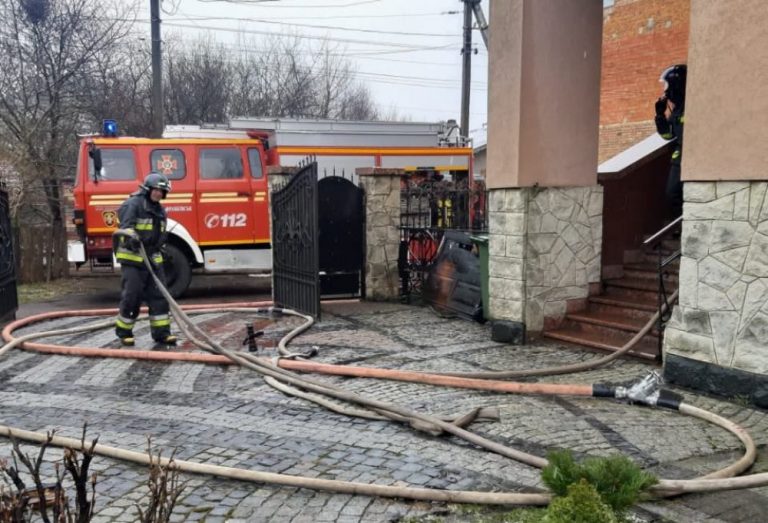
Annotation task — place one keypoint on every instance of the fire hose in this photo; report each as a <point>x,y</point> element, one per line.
<point>644,392</point>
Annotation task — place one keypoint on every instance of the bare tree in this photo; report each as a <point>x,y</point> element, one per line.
<point>117,84</point>
<point>197,82</point>
<point>44,45</point>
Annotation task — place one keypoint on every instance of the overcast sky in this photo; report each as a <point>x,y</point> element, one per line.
<point>407,52</point>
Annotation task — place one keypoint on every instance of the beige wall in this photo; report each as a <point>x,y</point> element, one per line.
<point>544,93</point>
<point>726,120</point>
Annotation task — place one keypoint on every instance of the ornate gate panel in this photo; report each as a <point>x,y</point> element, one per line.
<point>8,296</point>
<point>295,252</point>
<point>342,231</point>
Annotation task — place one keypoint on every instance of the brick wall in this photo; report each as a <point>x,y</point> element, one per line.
<point>640,39</point>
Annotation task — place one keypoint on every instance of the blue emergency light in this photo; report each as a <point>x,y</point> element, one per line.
<point>109,128</point>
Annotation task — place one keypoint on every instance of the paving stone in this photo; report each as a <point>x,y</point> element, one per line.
<point>224,415</point>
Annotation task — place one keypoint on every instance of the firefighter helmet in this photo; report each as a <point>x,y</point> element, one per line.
<point>156,180</point>
<point>674,83</point>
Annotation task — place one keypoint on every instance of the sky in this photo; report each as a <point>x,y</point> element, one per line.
<point>408,52</point>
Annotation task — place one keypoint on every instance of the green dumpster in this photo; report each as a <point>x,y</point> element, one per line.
<point>482,248</point>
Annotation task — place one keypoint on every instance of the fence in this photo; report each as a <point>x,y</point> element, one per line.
<point>429,206</point>
<point>41,253</point>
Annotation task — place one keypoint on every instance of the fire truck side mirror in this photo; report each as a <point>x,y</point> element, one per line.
<point>95,154</point>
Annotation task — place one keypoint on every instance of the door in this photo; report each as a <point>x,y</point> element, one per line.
<point>341,233</point>
<point>224,210</point>
<point>260,193</point>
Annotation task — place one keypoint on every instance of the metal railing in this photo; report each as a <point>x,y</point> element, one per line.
<point>655,242</point>
<point>428,208</point>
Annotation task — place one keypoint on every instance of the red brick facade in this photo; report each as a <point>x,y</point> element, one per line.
<point>640,39</point>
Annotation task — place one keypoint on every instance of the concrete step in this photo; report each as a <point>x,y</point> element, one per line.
<point>619,302</point>
<point>629,289</point>
<point>617,320</point>
<point>673,267</point>
<point>653,257</point>
<point>645,349</point>
<point>670,275</point>
<point>618,308</point>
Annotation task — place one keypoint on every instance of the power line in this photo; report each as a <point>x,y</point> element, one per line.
<point>310,37</point>
<point>310,26</point>
<point>267,2</point>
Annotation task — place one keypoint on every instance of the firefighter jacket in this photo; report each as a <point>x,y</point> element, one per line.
<point>672,128</point>
<point>141,220</point>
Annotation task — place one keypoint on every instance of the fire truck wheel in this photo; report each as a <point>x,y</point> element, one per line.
<point>178,272</point>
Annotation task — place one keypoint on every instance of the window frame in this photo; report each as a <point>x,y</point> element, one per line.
<point>203,149</point>
<point>183,159</point>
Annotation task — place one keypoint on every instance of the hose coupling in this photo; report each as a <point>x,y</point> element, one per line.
<point>643,391</point>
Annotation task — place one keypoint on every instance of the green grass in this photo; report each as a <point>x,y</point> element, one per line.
<point>40,292</point>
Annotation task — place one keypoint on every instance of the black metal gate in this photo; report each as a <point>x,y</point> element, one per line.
<point>342,231</point>
<point>295,246</point>
<point>8,296</point>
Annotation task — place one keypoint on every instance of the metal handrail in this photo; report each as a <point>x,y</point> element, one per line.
<point>662,301</point>
<point>664,230</point>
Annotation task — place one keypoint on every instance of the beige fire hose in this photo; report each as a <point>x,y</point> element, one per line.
<point>664,487</point>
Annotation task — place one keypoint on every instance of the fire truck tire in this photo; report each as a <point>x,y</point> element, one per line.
<point>178,272</point>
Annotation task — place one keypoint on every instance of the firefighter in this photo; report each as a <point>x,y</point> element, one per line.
<point>142,222</point>
<point>670,116</point>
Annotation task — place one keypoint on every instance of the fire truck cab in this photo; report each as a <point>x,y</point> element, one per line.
<point>217,208</point>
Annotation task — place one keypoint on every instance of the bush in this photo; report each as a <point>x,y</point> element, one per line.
<point>617,480</point>
<point>582,504</point>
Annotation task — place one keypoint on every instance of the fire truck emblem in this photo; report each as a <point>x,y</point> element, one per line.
<point>166,164</point>
<point>110,218</point>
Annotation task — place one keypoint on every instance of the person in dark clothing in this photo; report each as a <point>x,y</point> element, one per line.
<point>142,222</point>
<point>670,117</point>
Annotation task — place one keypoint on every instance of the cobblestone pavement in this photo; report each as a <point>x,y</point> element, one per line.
<point>229,416</point>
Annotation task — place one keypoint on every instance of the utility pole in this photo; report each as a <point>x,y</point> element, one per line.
<point>466,66</point>
<point>482,23</point>
<point>157,71</point>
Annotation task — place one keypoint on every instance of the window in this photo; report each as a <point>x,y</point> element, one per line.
<point>254,161</point>
<point>116,164</point>
<point>168,162</point>
<point>217,164</point>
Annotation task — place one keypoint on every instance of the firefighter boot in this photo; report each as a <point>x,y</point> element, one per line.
<point>169,339</point>
<point>127,341</point>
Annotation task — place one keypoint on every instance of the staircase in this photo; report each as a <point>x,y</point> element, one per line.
<point>624,306</point>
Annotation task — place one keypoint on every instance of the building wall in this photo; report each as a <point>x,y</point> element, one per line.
<point>727,103</point>
<point>640,39</point>
<point>544,90</point>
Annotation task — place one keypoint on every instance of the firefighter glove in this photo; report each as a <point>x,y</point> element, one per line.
<point>134,243</point>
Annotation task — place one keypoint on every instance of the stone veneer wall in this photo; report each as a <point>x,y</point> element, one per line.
<point>717,339</point>
<point>544,252</point>
<point>382,231</point>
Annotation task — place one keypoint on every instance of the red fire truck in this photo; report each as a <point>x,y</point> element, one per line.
<point>218,209</point>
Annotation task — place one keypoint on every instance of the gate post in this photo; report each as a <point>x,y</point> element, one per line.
<point>382,231</point>
<point>277,177</point>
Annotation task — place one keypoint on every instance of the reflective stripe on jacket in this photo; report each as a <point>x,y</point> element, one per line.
<point>146,220</point>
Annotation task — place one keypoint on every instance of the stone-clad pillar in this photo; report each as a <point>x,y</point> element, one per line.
<point>544,252</point>
<point>545,207</point>
<point>382,231</point>
<point>717,340</point>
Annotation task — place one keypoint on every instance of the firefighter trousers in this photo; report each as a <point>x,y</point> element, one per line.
<point>138,286</point>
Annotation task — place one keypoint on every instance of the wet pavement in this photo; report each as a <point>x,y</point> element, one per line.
<point>226,415</point>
